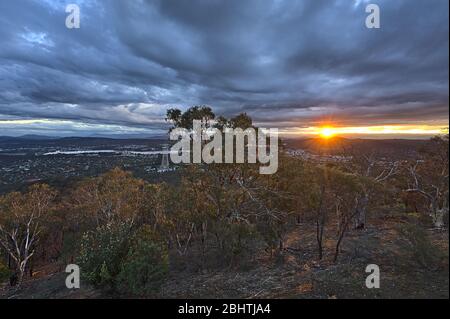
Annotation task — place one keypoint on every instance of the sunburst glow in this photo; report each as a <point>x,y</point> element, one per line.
<point>380,131</point>
<point>327,132</point>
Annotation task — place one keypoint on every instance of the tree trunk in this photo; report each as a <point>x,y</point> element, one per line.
<point>361,209</point>
<point>438,216</point>
<point>21,270</point>
<point>319,235</point>
<point>338,245</point>
<point>320,224</point>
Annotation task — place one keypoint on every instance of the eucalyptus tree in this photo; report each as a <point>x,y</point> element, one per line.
<point>428,177</point>
<point>22,219</point>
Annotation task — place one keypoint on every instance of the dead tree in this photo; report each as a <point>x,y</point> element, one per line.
<point>321,217</point>
<point>434,191</point>
<point>375,171</point>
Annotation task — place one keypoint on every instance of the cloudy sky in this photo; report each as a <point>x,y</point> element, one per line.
<point>289,64</point>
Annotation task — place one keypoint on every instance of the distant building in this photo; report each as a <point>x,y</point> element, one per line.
<point>165,166</point>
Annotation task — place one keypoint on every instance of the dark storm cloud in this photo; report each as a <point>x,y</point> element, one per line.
<point>287,63</point>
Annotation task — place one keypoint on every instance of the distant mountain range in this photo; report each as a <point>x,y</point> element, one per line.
<point>42,142</point>
<point>28,137</point>
<point>34,137</point>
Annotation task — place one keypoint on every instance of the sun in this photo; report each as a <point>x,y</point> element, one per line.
<point>327,132</point>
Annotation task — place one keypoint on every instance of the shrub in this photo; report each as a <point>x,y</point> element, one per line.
<point>416,241</point>
<point>270,231</point>
<point>113,257</point>
<point>237,238</point>
<point>146,265</point>
<point>102,253</point>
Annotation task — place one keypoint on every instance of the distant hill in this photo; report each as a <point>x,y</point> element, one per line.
<point>37,137</point>
<point>129,136</point>
<point>33,141</point>
<point>28,137</point>
<point>339,145</point>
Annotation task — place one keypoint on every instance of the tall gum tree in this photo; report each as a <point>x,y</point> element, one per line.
<point>22,217</point>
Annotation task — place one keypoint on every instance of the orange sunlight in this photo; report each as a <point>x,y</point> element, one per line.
<point>327,132</point>
<point>399,131</point>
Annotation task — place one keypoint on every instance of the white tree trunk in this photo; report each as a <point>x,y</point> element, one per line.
<point>438,217</point>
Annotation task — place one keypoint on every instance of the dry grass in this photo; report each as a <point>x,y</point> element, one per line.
<point>295,274</point>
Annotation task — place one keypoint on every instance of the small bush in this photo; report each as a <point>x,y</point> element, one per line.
<point>102,253</point>
<point>236,238</point>
<point>419,245</point>
<point>5,273</point>
<point>146,265</point>
<point>113,257</point>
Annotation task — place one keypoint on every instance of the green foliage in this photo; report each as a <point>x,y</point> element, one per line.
<point>115,196</point>
<point>185,120</point>
<point>104,277</point>
<point>242,121</point>
<point>112,257</point>
<point>236,238</point>
<point>205,114</point>
<point>102,252</point>
<point>146,265</point>
<point>417,243</point>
